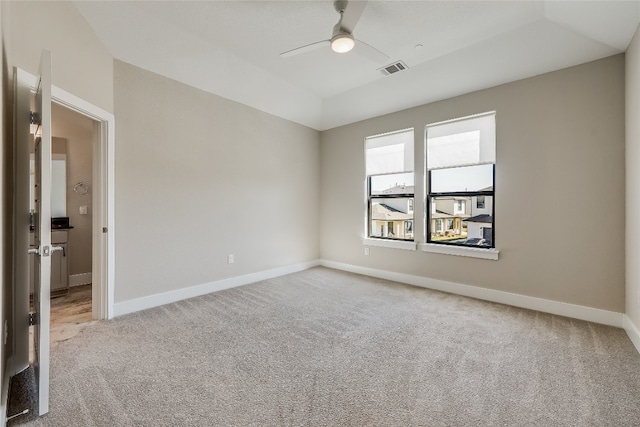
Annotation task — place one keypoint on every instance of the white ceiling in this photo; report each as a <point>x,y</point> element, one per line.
<point>231,48</point>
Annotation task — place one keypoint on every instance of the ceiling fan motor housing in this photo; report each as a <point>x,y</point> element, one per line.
<point>341,40</point>
<point>339,30</point>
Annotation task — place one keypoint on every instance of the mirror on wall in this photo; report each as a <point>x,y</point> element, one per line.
<point>58,178</point>
<point>59,185</point>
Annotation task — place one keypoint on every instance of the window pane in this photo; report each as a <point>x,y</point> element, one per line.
<point>447,215</point>
<point>468,178</point>
<point>480,225</point>
<point>397,183</point>
<point>469,226</point>
<point>389,153</point>
<point>391,218</point>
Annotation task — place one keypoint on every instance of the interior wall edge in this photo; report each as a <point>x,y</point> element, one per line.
<point>632,331</point>
<point>589,314</point>
<point>632,180</point>
<point>6,211</point>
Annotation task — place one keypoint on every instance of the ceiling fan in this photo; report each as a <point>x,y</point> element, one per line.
<point>342,39</point>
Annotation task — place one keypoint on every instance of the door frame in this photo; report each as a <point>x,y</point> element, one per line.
<point>103,221</point>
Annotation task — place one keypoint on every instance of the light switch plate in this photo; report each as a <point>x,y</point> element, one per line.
<point>83,210</point>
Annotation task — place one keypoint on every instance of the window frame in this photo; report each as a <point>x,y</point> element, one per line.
<point>448,246</point>
<point>370,197</point>
<point>393,242</point>
<point>452,194</point>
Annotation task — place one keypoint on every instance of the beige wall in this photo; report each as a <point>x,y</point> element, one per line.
<point>78,131</point>
<point>81,63</point>
<point>199,177</point>
<point>633,179</point>
<point>560,154</point>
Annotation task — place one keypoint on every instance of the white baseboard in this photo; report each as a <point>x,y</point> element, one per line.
<point>590,314</point>
<point>131,306</point>
<point>632,331</point>
<point>80,279</point>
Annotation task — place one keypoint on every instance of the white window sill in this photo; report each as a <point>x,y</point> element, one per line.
<point>396,244</point>
<point>491,254</point>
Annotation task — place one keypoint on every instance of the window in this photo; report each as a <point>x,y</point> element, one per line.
<point>390,185</point>
<point>460,159</point>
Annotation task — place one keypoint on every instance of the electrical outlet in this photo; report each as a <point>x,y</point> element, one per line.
<point>366,251</point>
<point>230,259</point>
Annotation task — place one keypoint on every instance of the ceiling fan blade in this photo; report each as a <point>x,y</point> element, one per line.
<point>352,14</point>
<point>370,52</point>
<point>304,49</point>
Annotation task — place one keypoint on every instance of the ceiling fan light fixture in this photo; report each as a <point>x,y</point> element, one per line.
<point>342,43</point>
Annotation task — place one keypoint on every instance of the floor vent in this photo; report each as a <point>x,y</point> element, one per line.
<point>393,68</point>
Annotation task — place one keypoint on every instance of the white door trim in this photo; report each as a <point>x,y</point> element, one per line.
<point>103,261</point>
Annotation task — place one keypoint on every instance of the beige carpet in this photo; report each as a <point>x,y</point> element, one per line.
<point>327,348</point>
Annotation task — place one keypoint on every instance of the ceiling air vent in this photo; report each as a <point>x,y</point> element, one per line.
<point>393,68</point>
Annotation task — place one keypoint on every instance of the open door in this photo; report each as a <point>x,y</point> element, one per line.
<point>42,231</point>
<point>39,117</point>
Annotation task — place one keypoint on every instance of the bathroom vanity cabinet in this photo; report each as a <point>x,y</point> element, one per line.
<point>59,264</point>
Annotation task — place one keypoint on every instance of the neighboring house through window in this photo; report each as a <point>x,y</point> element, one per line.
<point>390,185</point>
<point>460,161</point>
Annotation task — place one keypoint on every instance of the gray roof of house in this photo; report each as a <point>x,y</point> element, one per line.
<point>480,218</point>
<point>387,213</point>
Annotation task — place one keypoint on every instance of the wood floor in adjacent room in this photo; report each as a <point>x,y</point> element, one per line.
<point>70,314</point>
